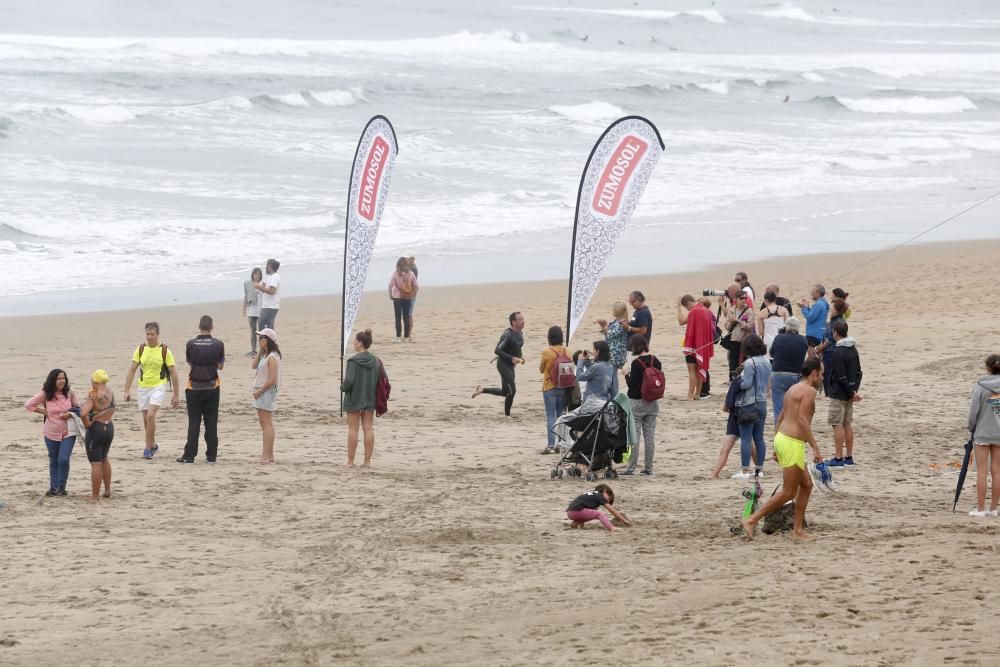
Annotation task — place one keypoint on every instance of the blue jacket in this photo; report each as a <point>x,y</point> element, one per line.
<point>816,318</point>
<point>598,376</point>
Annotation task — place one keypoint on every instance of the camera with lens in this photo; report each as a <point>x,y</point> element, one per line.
<point>714,292</point>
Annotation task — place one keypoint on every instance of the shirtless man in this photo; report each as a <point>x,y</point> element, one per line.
<point>794,430</point>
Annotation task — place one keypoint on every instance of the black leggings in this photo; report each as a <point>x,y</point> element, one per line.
<point>98,441</point>
<point>507,386</point>
<point>402,310</point>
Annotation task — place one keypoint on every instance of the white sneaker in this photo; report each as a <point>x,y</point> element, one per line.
<point>993,512</point>
<point>399,339</point>
<point>760,475</point>
<point>741,475</point>
<point>978,514</point>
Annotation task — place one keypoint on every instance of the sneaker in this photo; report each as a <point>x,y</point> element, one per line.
<point>153,451</point>
<point>704,396</point>
<point>627,472</point>
<point>759,474</point>
<point>645,472</point>
<point>146,453</point>
<point>399,339</point>
<point>978,514</point>
<point>993,512</point>
<point>61,491</point>
<point>741,475</point>
<point>250,353</point>
<point>184,460</point>
<point>51,492</point>
<point>209,460</point>
<point>848,460</point>
<point>547,450</point>
<point>835,463</point>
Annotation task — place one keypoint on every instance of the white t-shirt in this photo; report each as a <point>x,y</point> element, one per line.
<point>271,300</point>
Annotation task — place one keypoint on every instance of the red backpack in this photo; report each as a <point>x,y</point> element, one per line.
<point>653,383</point>
<point>382,390</point>
<point>563,373</point>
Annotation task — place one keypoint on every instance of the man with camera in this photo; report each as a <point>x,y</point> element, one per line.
<point>739,323</point>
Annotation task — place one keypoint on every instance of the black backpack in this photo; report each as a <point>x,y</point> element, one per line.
<point>164,374</point>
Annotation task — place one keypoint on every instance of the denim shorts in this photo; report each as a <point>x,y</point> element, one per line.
<point>268,401</point>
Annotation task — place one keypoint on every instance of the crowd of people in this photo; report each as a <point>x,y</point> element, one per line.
<point>769,359</point>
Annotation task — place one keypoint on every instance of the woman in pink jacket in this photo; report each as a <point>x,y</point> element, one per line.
<point>55,402</point>
<point>402,290</point>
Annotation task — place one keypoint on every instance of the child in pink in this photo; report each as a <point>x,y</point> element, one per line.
<point>584,508</point>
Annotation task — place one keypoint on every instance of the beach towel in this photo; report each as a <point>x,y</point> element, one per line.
<point>625,403</point>
<point>699,339</point>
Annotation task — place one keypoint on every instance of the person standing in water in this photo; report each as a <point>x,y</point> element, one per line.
<point>97,413</point>
<point>509,355</point>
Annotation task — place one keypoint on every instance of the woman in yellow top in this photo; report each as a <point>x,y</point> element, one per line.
<point>554,397</point>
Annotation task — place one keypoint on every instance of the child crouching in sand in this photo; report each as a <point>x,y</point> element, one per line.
<point>585,508</point>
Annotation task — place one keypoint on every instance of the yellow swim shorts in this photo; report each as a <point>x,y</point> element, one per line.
<point>790,451</point>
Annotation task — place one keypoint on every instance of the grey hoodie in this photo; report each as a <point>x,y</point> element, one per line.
<point>984,411</point>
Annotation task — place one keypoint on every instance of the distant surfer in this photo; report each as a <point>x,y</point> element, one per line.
<point>786,99</point>
<point>793,431</point>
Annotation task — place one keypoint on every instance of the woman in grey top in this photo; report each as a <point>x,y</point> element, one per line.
<point>251,306</point>
<point>754,376</point>
<point>984,425</point>
<point>594,367</point>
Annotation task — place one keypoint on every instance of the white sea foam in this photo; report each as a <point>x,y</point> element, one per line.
<point>813,76</point>
<point>785,10</point>
<point>710,15</point>
<point>98,114</point>
<point>589,112</point>
<point>338,98</point>
<point>908,105</point>
<point>717,87</point>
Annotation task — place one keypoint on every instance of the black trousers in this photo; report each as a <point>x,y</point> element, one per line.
<point>507,387</point>
<point>202,404</point>
<point>734,359</point>
<point>402,307</point>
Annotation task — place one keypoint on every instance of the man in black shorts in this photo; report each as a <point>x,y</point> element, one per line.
<point>508,353</point>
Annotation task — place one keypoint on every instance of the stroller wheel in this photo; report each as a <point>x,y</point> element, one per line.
<point>560,473</point>
<point>553,473</point>
<point>610,474</point>
<point>590,477</point>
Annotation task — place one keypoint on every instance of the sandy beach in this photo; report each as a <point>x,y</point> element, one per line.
<point>453,548</point>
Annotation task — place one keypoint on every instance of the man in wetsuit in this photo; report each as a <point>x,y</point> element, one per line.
<point>508,353</point>
<point>793,431</point>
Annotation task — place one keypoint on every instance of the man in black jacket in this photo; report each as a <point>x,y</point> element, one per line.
<point>206,356</point>
<point>845,380</point>
<point>508,353</point>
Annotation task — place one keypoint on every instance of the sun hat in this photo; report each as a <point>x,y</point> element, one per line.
<point>100,376</point>
<point>268,333</point>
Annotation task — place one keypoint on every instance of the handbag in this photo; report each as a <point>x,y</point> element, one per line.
<point>747,414</point>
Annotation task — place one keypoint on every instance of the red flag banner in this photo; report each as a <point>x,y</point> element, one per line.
<point>369,189</point>
<point>612,183</point>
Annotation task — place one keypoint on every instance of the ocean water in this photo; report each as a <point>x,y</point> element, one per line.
<point>162,147</point>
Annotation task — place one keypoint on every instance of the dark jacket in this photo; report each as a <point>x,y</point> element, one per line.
<point>359,382</point>
<point>845,372</point>
<point>636,373</point>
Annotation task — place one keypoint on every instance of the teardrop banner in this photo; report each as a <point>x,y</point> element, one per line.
<point>371,174</point>
<point>613,180</point>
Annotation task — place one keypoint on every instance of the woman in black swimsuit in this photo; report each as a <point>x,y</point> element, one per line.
<point>97,411</point>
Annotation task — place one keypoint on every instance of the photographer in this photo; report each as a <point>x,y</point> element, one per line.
<point>594,367</point>
<point>739,324</point>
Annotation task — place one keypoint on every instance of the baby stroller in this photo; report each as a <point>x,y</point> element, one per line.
<point>598,438</point>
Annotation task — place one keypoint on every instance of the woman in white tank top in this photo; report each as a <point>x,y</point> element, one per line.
<point>770,318</point>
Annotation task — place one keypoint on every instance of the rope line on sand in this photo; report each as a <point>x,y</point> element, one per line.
<point>894,248</point>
